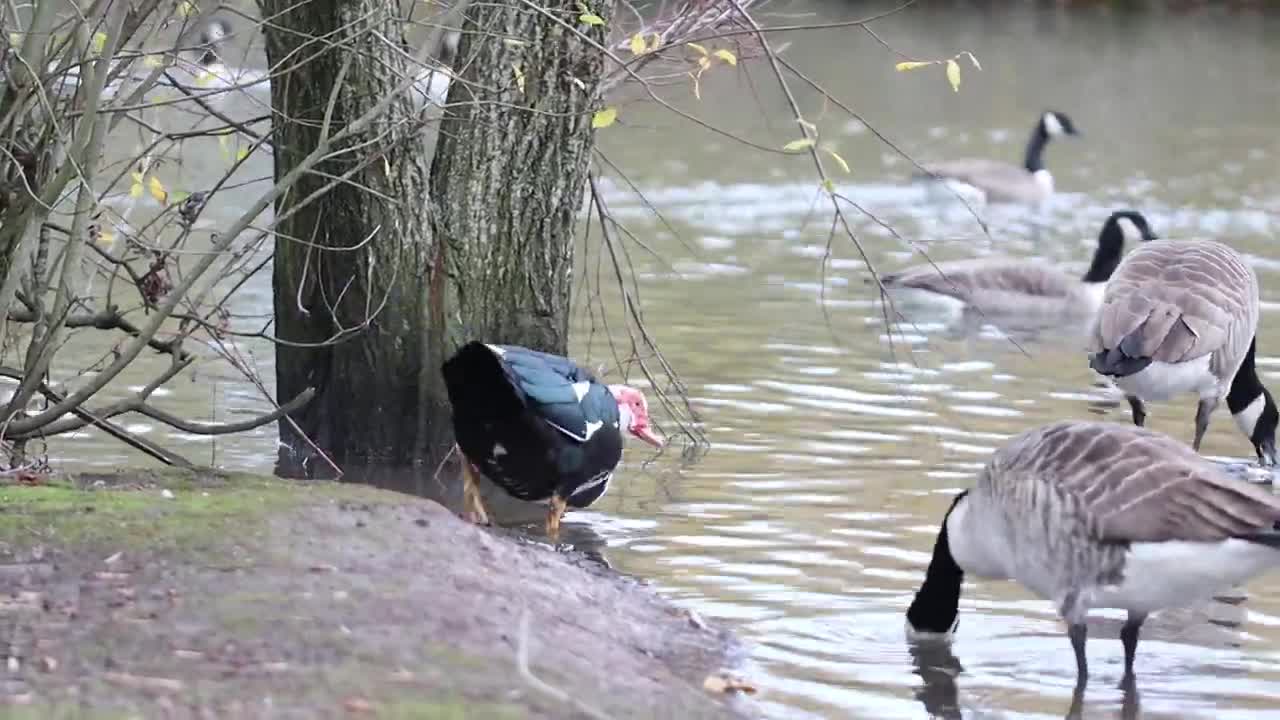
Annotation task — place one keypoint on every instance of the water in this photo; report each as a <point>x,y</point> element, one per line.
<point>808,525</point>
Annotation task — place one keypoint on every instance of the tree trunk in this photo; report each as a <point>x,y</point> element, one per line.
<point>353,320</point>
<point>511,165</point>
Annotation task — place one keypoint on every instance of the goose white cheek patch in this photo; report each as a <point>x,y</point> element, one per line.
<point>1052,125</point>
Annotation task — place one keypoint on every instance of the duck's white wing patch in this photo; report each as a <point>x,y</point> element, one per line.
<point>580,389</point>
<point>496,350</point>
<point>593,482</point>
<point>592,427</point>
<point>574,435</point>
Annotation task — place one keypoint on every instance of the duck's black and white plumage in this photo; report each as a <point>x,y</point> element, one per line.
<point>996,181</point>
<point>1027,287</point>
<point>1179,317</point>
<point>1100,515</point>
<point>539,426</point>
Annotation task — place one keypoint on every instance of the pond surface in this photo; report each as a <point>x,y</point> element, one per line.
<point>808,525</point>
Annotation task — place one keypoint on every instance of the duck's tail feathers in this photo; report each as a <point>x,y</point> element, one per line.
<point>477,379</point>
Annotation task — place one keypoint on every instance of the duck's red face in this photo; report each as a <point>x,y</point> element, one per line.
<point>635,413</point>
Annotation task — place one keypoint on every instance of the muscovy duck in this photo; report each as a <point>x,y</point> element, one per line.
<point>539,426</point>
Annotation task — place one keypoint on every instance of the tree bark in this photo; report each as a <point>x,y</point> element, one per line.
<point>511,166</point>
<point>354,262</point>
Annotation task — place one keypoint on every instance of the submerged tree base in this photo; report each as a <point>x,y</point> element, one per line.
<point>195,595</point>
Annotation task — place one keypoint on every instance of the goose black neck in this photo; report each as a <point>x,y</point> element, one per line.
<point>937,602</point>
<point>1106,258</point>
<point>1246,386</point>
<point>1035,149</point>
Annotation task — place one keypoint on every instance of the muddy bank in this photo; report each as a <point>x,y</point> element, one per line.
<point>193,596</point>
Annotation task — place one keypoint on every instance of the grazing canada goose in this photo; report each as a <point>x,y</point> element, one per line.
<point>998,181</point>
<point>1182,316</point>
<point>1010,285</point>
<point>1099,515</point>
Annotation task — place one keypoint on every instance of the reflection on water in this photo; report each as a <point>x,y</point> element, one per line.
<point>836,453</point>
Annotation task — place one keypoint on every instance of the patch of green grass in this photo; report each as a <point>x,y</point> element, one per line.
<point>447,709</point>
<point>130,510</point>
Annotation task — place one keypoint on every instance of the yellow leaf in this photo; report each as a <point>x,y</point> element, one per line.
<point>512,42</point>
<point>15,39</point>
<point>699,48</point>
<point>99,41</point>
<point>637,44</point>
<point>726,56</point>
<point>655,40</point>
<point>519,76</point>
<point>704,63</point>
<point>590,19</point>
<point>135,190</point>
<point>222,141</point>
<point>839,160</point>
<point>829,186</point>
<point>157,189</point>
<point>187,8</point>
<point>204,79</point>
<point>953,74</point>
<point>912,65</point>
<point>153,61</point>
<point>106,239</point>
<point>243,153</point>
<point>800,144</point>
<point>604,118</point>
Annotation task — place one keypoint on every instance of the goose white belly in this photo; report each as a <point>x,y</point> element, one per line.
<point>1163,381</point>
<point>1179,573</point>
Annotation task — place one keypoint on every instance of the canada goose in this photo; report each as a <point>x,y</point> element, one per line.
<point>1182,316</point>
<point>998,181</point>
<point>1010,285</point>
<point>1099,515</point>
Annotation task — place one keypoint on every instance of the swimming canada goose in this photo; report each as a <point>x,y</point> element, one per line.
<point>1012,285</point>
<point>1099,515</point>
<point>998,181</point>
<point>1182,316</point>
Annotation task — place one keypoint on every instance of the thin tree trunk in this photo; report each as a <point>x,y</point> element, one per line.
<point>512,163</point>
<point>368,409</point>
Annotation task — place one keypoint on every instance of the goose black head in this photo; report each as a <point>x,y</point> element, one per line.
<point>935,610</point>
<point>1121,226</point>
<point>1054,123</point>
<point>212,36</point>
<point>1253,408</point>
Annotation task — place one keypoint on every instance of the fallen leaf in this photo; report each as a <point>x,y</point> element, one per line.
<point>725,683</point>
<point>953,74</point>
<point>726,56</point>
<point>800,144</point>
<point>638,46</point>
<point>910,65</point>
<point>604,118</point>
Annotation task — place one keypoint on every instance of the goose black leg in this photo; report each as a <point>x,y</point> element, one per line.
<point>1078,632</point>
<point>1203,411</point>
<point>1139,410</point>
<point>472,503</point>
<point>558,506</point>
<point>1129,637</point>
